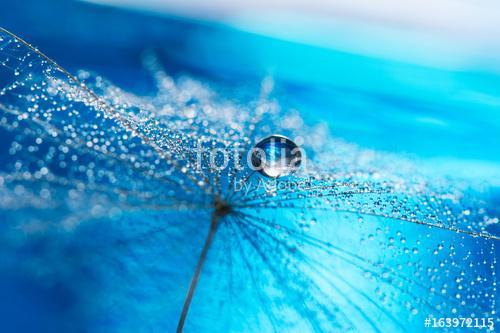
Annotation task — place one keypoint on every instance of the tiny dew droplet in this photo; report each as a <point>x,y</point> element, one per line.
<point>276,156</point>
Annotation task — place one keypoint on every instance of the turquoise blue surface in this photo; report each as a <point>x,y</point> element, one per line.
<point>448,119</point>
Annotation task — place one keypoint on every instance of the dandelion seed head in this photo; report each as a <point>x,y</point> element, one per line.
<point>78,151</point>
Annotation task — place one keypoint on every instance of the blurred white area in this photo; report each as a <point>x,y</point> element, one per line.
<point>444,33</point>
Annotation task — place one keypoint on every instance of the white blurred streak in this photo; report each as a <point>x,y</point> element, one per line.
<point>444,15</point>
<point>470,30</point>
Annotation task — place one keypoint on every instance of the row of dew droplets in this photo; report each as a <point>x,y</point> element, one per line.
<point>62,102</point>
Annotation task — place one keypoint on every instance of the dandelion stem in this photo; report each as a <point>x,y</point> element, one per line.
<point>197,271</point>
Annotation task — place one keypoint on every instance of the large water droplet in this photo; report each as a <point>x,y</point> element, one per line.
<point>276,156</point>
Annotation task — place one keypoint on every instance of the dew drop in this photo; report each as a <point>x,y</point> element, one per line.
<point>276,156</point>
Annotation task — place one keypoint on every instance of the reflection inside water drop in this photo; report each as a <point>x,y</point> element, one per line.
<point>276,156</point>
